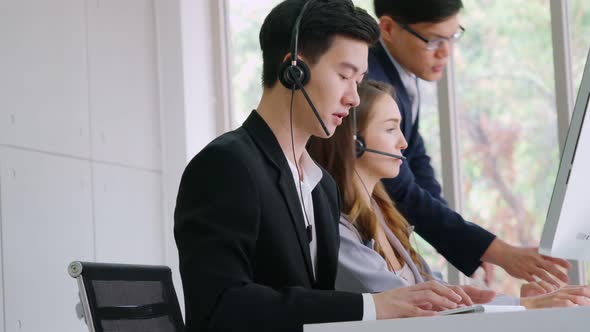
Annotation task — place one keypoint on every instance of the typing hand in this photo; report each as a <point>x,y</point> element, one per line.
<point>476,295</point>
<point>536,288</point>
<point>419,300</point>
<point>570,296</point>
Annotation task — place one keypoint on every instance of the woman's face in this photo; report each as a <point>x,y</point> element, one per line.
<point>383,133</point>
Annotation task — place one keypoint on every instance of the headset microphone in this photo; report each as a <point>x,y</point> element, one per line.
<point>315,111</point>
<point>384,153</point>
<point>359,143</point>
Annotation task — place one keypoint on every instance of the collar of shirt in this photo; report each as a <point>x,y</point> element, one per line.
<point>312,174</point>
<point>407,78</point>
<point>409,81</point>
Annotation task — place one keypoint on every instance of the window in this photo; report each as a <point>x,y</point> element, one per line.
<point>429,129</point>
<point>246,17</point>
<point>508,132</point>
<point>579,12</point>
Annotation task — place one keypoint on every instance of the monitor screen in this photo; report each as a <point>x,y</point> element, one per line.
<point>566,233</point>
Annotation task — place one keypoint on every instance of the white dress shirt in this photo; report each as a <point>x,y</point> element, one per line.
<point>312,175</point>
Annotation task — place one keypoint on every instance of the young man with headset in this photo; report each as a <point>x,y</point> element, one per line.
<point>256,220</point>
<point>416,41</point>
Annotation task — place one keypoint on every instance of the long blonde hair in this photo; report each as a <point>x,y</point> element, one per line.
<point>337,155</point>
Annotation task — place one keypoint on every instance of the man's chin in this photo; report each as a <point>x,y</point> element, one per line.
<point>432,76</point>
<point>330,126</point>
<point>322,134</point>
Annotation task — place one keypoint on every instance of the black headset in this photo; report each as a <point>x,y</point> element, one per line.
<point>294,73</point>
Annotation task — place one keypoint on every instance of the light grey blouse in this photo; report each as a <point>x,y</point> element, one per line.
<point>362,270</point>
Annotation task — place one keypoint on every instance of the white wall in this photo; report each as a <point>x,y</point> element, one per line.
<point>102,102</point>
<point>188,115</point>
<point>44,229</point>
<point>45,157</point>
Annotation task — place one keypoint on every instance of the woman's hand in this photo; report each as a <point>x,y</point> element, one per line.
<point>473,295</point>
<point>536,288</point>
<point>570,296</point>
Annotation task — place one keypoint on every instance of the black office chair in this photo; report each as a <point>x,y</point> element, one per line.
<point>126,298</point>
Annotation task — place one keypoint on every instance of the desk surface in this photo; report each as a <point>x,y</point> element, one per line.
<point>541,320</point>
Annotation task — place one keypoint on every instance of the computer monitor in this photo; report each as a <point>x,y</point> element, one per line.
<point>566,233</point>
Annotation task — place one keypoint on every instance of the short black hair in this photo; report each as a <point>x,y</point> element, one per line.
<point>417,11</point>
<point>321,22</point>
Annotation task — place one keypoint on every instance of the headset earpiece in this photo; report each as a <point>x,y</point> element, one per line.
<point>359,145</point>
<point>294,73</point>
<point>288,74</point>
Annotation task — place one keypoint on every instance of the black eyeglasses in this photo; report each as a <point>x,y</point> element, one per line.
<point>435,44</point>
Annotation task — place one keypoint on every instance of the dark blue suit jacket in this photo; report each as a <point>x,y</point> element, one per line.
<point>415,190</point>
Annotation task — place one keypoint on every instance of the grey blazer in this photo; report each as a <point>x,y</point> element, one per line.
<point>362,270</point>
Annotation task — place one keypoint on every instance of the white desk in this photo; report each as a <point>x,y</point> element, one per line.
<point>541,320</point>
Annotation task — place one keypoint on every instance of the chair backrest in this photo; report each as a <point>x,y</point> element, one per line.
<point>127,298</point>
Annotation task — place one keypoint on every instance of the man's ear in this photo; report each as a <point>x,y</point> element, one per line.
<point>288,57</point>
<point>388,27</point>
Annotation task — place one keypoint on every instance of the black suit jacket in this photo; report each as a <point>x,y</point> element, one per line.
<point>416,191</point>
<point>244,257</point>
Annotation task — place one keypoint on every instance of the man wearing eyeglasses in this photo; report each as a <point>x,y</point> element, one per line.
<point>417,39</point>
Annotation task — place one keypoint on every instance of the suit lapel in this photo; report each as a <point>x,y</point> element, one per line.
<point>268,144</point>
<point>401,93</point>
